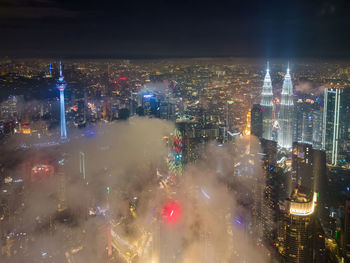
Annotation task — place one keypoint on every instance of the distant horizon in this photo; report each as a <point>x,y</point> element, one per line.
<point>175,57</point>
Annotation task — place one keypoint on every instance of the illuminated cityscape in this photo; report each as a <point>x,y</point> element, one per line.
<point>174,132</point>
<point>171,150</point>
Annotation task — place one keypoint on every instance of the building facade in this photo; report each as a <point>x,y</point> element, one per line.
<point>285,133</point>
<point>302,168</point>
<point>257,120</point>
<point>267,106</point>
<point>299,226</point>
<point>331,117</point>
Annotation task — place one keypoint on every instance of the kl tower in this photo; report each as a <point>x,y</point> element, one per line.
<point>61,85</point>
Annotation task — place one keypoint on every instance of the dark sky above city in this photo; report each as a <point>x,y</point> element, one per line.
<point>184,28</point>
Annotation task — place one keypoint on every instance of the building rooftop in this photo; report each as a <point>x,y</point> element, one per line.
<point>302,201</point>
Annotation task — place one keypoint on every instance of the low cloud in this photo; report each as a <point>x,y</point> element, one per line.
<point>308,87</point>
<point>121,164</point>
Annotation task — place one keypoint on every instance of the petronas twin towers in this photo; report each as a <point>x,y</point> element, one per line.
<point>285,134</point>
<point>267,105</point>
<point>285,120</point>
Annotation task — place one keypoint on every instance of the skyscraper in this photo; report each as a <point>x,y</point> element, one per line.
<point>345,128</point>
<point>303,119</point>
<point>267,106</point>
<point>331,115</point>
<point>308,165</point>
<point>302,168</point>
<point>256,120</point>
<point>346,239</point>
<point>317,128</point>
<point>285,133</point>
<point>61,85</point>
<point>299,226</point>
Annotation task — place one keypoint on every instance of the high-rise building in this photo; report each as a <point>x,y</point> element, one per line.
<point>166,110</point>
<point>61,85</point>
<point>299,226</point>
<point>230,116</point>
<point>49,72</point>
<point>304,120</point>
<point>331,117</point>
<point>257,120</point>
<point>317,128</point>
<point>308,119</point>
<point>336,126</point>
<point>285,134</point>
<point>345,128</point>
<point>302,168</point>
<point>308,165</point>
<point>190,139</point>
<point>267,106</point>
<point>10,109</point>
<point>269,149</point>
<point>346,238</point>
<point>319,169</point>
<point>270,197</point>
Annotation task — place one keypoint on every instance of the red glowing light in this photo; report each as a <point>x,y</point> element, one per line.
<point>122,78</point>
<point>115,82</point>
<point>171,212</point>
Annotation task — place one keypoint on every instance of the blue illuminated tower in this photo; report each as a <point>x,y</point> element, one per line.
<point>285,134</point>
<point>267,106</point>
<point>61,85</point>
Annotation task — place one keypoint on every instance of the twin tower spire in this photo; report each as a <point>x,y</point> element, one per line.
<point>286,110</point>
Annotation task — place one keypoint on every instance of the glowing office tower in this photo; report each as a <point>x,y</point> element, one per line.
<point>285,134</point>
<point>267,106</point>
<point>299,226</point>
<point>61,85</point>
<point>331,127</point>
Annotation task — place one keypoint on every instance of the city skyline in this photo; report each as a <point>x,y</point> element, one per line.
<point>152,135</point>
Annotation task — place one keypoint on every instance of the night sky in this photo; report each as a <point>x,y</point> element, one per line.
<point>178,28</point>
